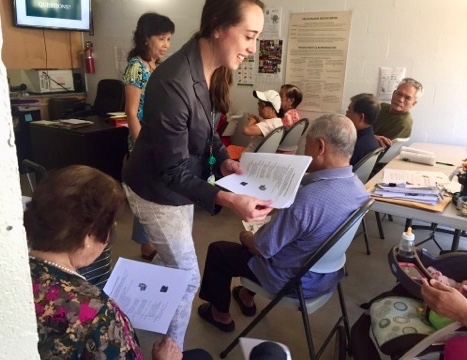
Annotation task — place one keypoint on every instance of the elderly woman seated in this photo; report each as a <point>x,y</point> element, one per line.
<point>69,222</point>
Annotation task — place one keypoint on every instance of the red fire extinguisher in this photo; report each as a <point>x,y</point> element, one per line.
<point>89,58</point>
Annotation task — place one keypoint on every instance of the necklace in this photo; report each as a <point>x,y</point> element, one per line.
<point>63,268</point>
<point>151,68</point>
<point>212,159</point>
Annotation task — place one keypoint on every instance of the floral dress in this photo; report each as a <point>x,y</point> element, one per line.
<point>136,74</point>
<point>77,320</point>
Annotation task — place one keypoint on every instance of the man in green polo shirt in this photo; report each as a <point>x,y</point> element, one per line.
<point>394,120</point>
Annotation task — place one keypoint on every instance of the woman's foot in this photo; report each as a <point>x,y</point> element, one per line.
<point>148,251</point>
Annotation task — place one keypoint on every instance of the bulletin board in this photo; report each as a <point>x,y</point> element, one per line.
<point>317,56</point>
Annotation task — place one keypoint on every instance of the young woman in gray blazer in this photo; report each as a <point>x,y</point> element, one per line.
<point>178,152</point>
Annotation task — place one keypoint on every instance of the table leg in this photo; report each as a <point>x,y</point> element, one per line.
<point>455,240</point>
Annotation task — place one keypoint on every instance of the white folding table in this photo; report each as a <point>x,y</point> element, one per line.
<point>444,154</point>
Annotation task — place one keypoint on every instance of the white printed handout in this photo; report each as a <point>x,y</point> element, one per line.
<point>148,294</point>
<point>274,177</point>
<point>415,178</point>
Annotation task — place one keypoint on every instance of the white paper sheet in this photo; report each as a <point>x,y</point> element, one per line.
<point>117,114</point>
<point>75,121</point>
<point>267,176</point>
<point>415,178</point>
<point>148,294</point>
<point>317,47</point>
<point>389,78</point>
<point>45,122</point>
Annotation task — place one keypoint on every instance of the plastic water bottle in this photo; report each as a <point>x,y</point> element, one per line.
<point>407,244</point>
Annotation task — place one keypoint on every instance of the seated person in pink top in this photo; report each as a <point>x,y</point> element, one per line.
<point>269,105</point>
<point>291,97</point>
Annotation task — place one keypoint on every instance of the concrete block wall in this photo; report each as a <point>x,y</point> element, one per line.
<point>428,37</point>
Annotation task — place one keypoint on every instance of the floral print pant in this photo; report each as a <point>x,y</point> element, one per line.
<point>169,228</point>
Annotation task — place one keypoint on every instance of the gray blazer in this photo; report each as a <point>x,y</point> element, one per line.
<point>169,162</point>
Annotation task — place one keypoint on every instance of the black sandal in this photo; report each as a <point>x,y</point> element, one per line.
<point>246,310</point>
<point>205,312</point>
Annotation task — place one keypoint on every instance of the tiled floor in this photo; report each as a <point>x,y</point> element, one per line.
<point>368,276</point>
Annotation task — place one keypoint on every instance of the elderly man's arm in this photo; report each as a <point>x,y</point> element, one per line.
<point>383,141</point>
<point>247,239</point>
<point>445,300</point>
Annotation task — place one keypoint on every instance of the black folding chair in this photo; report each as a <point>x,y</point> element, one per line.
<point>271,142</point>
<point>292,136</point>
<point>329,257</point>
<point>363,170</point>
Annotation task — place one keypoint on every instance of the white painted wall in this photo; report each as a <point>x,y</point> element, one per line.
<point>428,37</point>
<point>18,330</point>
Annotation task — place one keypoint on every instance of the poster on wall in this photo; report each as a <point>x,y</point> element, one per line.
<point>245,74</point>
<point>316,57</point>
<point>389,78</point>
<point>272,24</point>
<point>270,60</point>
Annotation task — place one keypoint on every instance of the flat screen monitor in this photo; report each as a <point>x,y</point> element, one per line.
<point>53,14</point>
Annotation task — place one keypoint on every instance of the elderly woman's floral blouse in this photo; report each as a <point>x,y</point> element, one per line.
<point>76,320</point>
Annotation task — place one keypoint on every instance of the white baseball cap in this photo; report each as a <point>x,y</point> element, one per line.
<point>270,96</point>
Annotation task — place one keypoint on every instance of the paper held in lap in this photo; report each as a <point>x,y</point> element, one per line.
<point>274,177</point>
<point>148,294</point>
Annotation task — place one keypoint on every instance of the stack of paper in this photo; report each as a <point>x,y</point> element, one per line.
<point>416,155</point>
<point>117,114</point>
<point>418,186</point>
<point>420,194</point>
<point>76,122</point>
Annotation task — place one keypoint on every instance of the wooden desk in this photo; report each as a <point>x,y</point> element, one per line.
<point>101,145</point>
<point>443,153</point>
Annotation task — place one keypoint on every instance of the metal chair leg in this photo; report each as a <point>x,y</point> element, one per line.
<point>380,225</point>
<point>365,235</point>
<point>408,223</point>
<point>344,311</point>
<point>306,323</point>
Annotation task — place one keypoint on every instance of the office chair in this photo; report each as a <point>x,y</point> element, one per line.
<point>363,170</point>
<point>291,137</point>
<point>110,97</point>
<point>62,108</point>
<point>329,257</point>
<point>271,142</point>
<point>31,167</point>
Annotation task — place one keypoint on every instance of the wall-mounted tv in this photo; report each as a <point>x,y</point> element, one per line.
<point>53,14</point>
